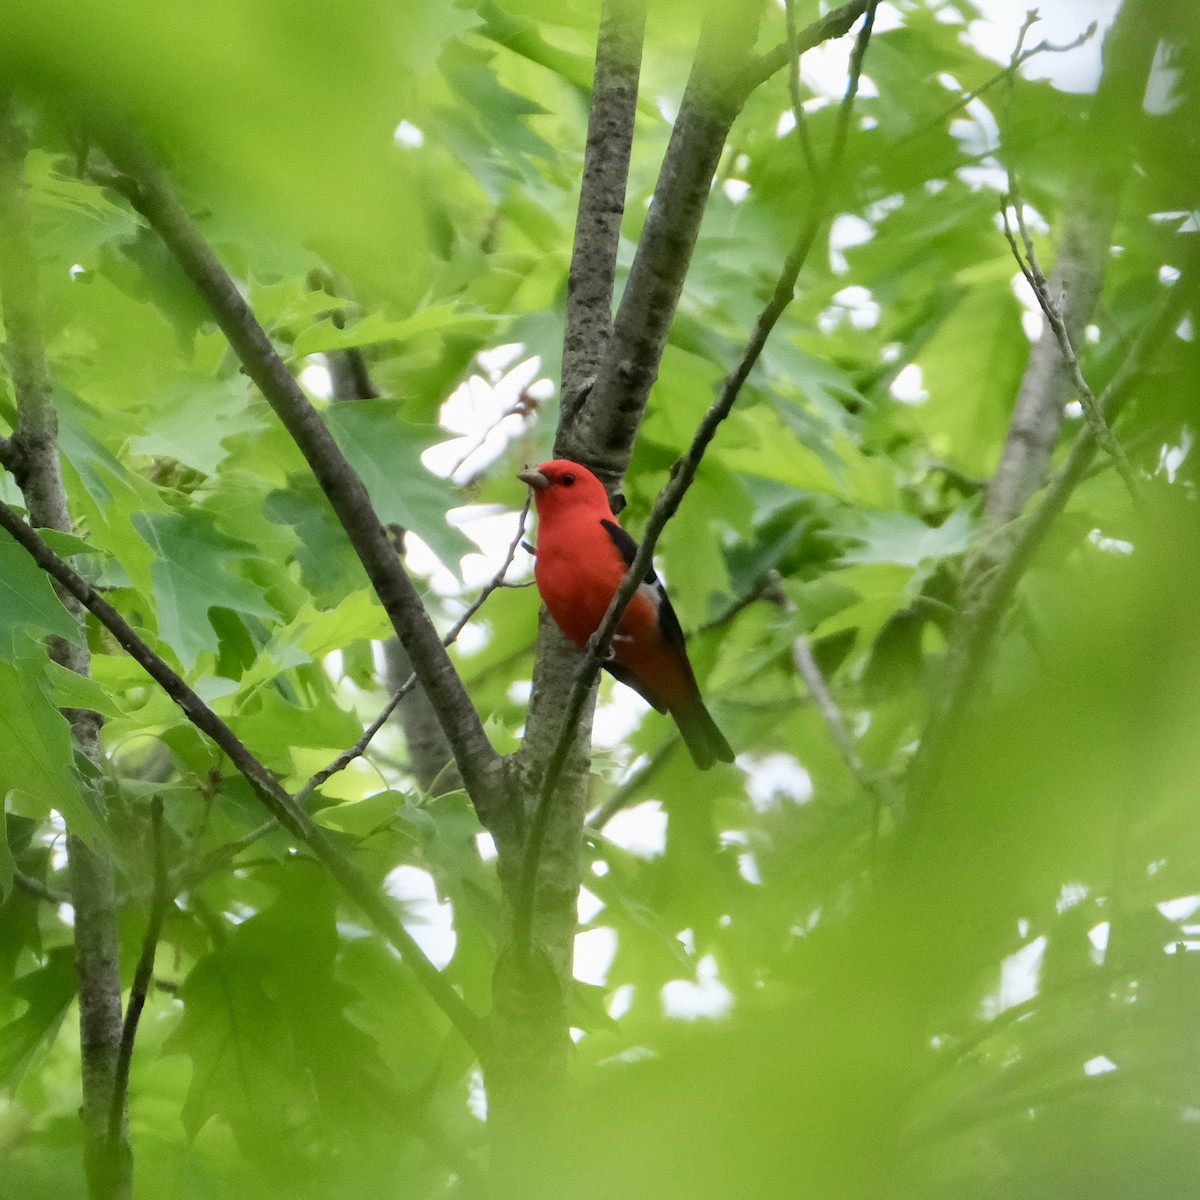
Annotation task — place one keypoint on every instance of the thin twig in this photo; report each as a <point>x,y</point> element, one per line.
<point>802,132</point>
<point>1019,58</point>
<point>43,891</point>
<point>265,786</point>
<point>159,903</point>
<point>668,502</point>
<point>359,748</point>
<point>1036,279</point>
<point>835,722</point>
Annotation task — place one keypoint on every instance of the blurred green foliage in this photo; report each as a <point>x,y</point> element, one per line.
<point>1000,1006</point>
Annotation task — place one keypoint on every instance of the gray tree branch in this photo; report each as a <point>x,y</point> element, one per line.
<point>1078,274</point>
<point>33,452</point>
<point>602,194</point>
<point>1089,215</point>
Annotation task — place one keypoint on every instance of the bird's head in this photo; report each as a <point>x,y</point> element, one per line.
<point>561,486</point>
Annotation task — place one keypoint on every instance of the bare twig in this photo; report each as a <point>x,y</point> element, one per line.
<point>834,24</point>
<point>43,891</point>
<point>668,502</point>
<point>1036,279</point>
<point>802,133</point>
<point>875,784</point>
<point>1016,61</point>
<point>266,787</point>
<point>359,748</point>
<point>159,902</point>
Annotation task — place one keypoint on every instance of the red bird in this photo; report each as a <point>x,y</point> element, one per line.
<point>582,556</point>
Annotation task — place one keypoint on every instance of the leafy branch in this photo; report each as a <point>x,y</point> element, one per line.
<point>266,787</point>
<point>160,901</point>
<point>139,179</point>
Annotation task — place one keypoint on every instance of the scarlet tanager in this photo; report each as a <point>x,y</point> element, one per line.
<point>582,556</point>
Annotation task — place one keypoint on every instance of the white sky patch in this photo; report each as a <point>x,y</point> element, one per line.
<point>1078,70</point>
<point>1180,908</point>
<point>617,717</point>
<point>1073,410</point>
<point>76,269</point>
<point>621,1001</point>
<point>1071,895</point>
<point>909,385</point>
<point>1168,274</point>
<point>642,829</point>
<point>736,190</point>
<point>486,846</point>
<point>1171,458</point>
<point>748,868</point>
<point>1109,545</point>
<point>420,560</point>
<point>407,134</point>
<point>1163,92</point>
<point>707,997</point>
<point>775,779</point>
<point>477,1095</point>
<point>316,379</point>
<point>1098,936</point>
<point>1100,1065</point>
<point>860,306</point>
<point>66,914</point>
<point>785,124</point>
<point>492,528</point>
<point>848,230</point>
<point>430,921</point>
<point>1019,974</point>
<point>1185,331</point>
<point>589,906</point>
<point>481,411</point>
<point>595,950</point>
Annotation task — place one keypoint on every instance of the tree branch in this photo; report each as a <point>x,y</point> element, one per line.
<point>833,24</point>
<point>273,797</point>
<point>980,622</point>
<point>1090,212</point>
<point>1036,279</point>
<point>669,500</point>
<point>159,902</point>
<point>33,454</point>
<point>996,564</point>
<point>601,429</point>
<point>43,891</point>
<point>602,195</point>
<point>148,191</point>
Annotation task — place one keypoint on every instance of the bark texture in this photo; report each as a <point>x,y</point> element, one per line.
<point>34,445</point>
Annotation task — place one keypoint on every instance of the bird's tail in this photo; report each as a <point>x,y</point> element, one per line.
<point>705,742</point>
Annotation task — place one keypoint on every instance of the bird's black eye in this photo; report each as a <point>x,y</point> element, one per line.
<point>568,479</point>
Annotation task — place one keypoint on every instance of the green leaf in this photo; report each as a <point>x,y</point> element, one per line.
<point>907,540</point>
<point>198,414</point>
<point>27,601</point>
<point>47,994</point>
<point>443,319</point>
<point>193,572</point>
<point>37,770</point>
<point>386,452</point>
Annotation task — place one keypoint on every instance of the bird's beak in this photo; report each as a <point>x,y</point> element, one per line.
<point>534,478</point>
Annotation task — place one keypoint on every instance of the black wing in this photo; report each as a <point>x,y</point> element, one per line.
<point>668,622</point>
